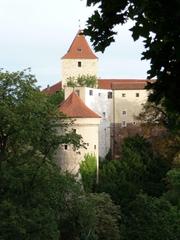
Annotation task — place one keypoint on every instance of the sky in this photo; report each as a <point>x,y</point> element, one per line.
<point>37,33</point>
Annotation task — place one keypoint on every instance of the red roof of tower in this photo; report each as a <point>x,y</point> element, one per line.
<point>79,48</point>
<point>74,107</point>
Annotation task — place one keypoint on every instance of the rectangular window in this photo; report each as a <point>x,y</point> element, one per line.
<point>99,94</point>
<point>137,94</point>
<point>109,94</point>
<point>104,114</point>
<point>123,95</point>
<point>74,130</point>
<point>94,147</point>
<point>90,92</point>
<point>123,123</point>
<point>79,64</point>
<point>124,112</point>
<point>65,147</point>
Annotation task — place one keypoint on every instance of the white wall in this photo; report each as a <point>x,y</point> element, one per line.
<point>68,159</point>
<point>102,105</point>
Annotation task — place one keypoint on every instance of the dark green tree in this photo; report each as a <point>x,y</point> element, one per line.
<point>138,170</point>
<point>29,178</point>
<point>57,97</point>
<point>151,218</point>
<point>157,22</point>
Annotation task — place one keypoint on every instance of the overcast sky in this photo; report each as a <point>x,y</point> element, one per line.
<point>37,33</point>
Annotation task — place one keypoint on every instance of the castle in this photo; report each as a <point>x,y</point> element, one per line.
<point>101,112</point>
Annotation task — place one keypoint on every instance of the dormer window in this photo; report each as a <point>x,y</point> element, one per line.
<point>79,64</point>
<point>79,49</point>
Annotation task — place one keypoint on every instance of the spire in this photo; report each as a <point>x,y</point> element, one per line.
<point>74,107</point>
<point>79,48</point>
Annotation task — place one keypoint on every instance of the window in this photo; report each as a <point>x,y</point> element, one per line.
<point>74,130</point>
<point>109,94</point>
<point>134,123</point>
<point>99,94</point>
<point>77,92</point>
<point>137,94</point>
<point>87,144</point>
<point>94,147</point>
<point>79,64</point>
<point>65,147</point>
<point>123,123</point>
<point>104,114</point>
<point>124,112</point>
<point>123,95</point>
<point>90,92</point>
<point>79,49</point>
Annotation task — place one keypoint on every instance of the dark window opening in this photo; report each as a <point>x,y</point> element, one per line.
<point>90,92</point>
<point>109,94</point>
<point>79,64</point>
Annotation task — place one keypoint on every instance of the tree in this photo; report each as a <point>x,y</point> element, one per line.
<point>57,97</point>
<point>173,181</point>
<point>30,182</point>
<point>138,170</point>
<point>108,217</point>
<point>88,171</point>
<point>151,218</point>
<point>82,81</point>
<point>157,22</point>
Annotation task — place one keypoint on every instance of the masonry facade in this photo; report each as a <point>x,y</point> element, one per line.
<point>116,101</point>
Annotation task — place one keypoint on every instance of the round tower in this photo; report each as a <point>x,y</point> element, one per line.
<point>79,59</point>
<point>86,123</point>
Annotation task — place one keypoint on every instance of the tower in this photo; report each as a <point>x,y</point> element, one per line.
<point>86,123</point>
<point>79,59</point>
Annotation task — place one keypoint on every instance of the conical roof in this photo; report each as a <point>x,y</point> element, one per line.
<point>74,107</point>
<point>79,48</point>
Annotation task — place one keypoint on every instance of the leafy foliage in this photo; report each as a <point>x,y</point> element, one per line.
<point>57,97</point>
<point>157,22</point>
<point>88,171</point>
<point>151,218</point>
<point>139,170</point>
<point>82,81</point>
<point>31,186</point>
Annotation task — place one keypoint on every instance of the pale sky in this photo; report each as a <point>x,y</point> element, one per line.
<point>37,33</point>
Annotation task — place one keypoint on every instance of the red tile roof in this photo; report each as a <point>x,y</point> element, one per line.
<point>79,49</point>
<point>53,89</point>
<point>115,84</point>
<point>74,107</point>
<point>122,83</point>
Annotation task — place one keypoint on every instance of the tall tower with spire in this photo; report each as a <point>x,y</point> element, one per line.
<point>79,59</point>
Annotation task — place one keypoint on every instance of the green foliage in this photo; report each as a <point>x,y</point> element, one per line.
<point>88,171</point>
<point>157,22</point>
<point>139,170</point>
<point>151,218</point>
<point>57,98</point>
<point>173,193</point>
<point>107,217</point>
<point>82,81</point>
<point>32,188</point>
